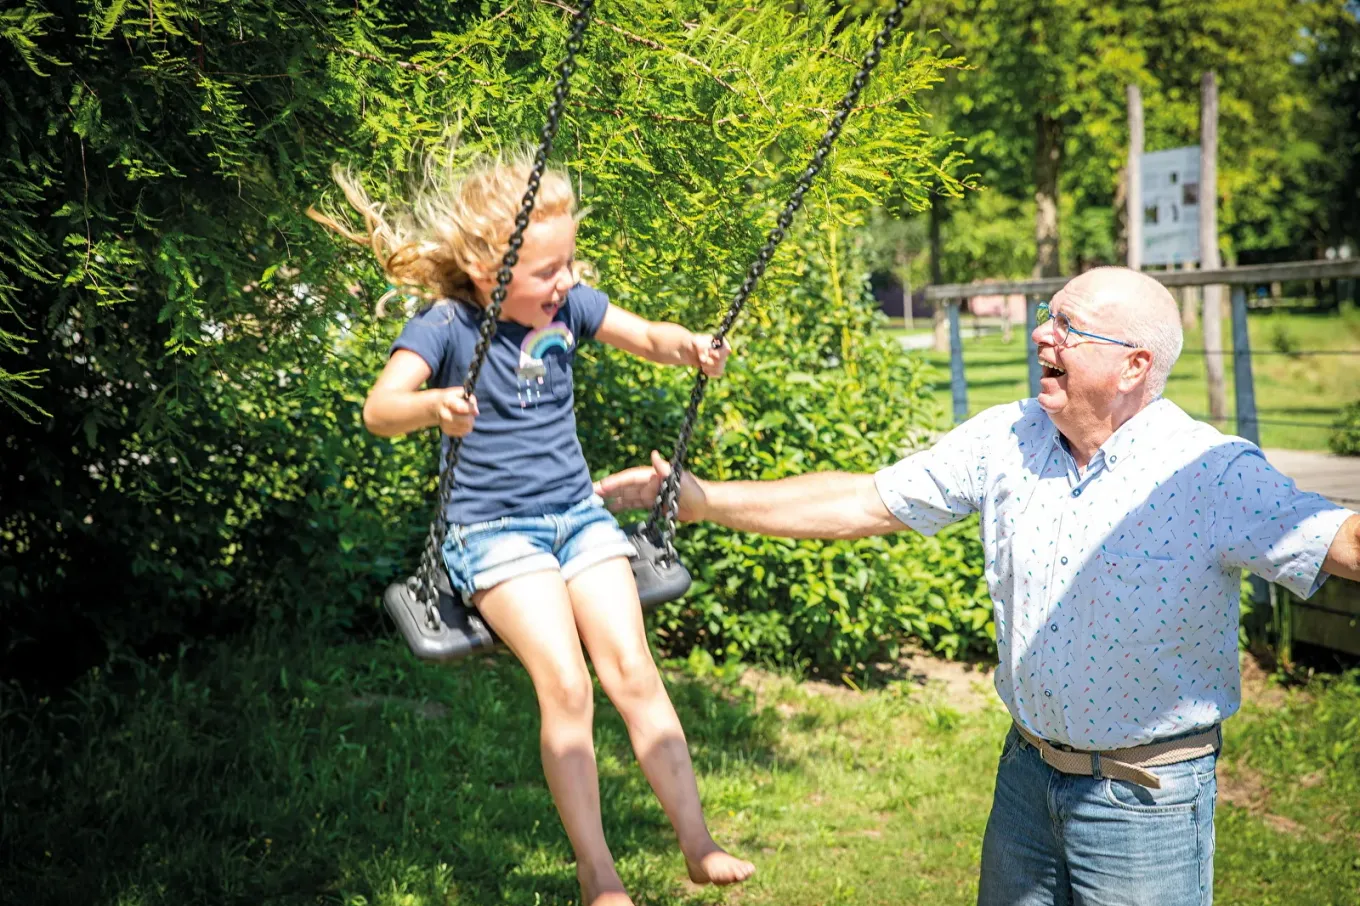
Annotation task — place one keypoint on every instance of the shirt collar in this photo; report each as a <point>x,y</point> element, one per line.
<point>1145,430</point>
<point>1138,433</point>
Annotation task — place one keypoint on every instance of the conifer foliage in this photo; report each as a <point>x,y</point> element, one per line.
<point>182,353</point>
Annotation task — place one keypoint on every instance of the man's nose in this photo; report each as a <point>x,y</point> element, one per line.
<point>1043,335</point>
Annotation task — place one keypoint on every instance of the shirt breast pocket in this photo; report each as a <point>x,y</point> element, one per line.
<point>557,383</point>
<point>542,380</point>
<point>1142,600</point>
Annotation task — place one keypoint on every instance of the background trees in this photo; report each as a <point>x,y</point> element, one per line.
<point>182,353</point>
<point>1042,114</point>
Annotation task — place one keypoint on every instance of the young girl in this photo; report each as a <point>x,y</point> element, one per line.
<point>528,543</point>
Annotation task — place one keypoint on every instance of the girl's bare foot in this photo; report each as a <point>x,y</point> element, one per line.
<point>602,888</point>
<point>713,865</point>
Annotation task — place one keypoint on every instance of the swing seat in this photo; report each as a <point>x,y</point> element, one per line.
<point>462,631</point>
<point>658,578</point>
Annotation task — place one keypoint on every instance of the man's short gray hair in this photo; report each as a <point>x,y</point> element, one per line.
<point>1162,336</point>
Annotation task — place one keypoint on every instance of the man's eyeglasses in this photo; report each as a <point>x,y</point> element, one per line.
<point>1063,327</point>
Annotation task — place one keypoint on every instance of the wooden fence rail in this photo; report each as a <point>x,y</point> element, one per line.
<point>1239,278</point>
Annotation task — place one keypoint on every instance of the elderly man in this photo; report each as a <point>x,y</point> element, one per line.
<point>1116,529</point>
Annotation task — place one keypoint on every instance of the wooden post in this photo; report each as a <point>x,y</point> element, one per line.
<point>1208,247</point>
<point>1244,390</point>
<point>1135,179</point>
<point>1035,371</point>
<point>956,379</point>
<point>1189,302</point>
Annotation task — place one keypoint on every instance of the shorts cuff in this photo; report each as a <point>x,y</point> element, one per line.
<point>582,562</point>
<point>536,563</point>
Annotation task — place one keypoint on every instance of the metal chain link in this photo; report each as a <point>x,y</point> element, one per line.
<point>661,522</point>
<point>430,558</point>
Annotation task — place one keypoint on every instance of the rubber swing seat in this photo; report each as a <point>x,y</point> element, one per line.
<point>461,629</point>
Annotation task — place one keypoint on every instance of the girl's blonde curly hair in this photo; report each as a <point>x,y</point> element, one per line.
<point>459,219</point>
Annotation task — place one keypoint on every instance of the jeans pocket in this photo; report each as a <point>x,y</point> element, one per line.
<point>1180,790</point>
<point>1010,747</point>
<point>455,556</point>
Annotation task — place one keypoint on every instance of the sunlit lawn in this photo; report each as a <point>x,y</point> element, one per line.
<point>1297,396</point>
<point>290,771</point>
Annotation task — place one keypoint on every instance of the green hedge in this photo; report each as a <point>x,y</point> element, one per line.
<point>190,351</point>
<point>1345,439</point>
<point>813,386</point>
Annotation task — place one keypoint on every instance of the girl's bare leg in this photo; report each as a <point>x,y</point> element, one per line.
<point>609,619</point>
<point>533,616</point>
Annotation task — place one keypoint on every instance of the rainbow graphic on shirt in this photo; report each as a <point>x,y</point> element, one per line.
<point>531,369</point>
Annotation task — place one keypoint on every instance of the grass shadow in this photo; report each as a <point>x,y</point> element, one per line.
<point>282,770</point>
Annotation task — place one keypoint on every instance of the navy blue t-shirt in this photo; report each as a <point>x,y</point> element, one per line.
<point>523,457</point>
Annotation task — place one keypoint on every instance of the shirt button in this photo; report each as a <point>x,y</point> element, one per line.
<point>1064,561</point>
<point>1114,459</point>
<point>1077,492</point>
<point>1053,626</point>
<point>1048,693</point>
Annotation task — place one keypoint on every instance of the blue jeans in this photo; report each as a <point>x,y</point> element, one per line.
<point>484,554</point>
<point>1058,839</point>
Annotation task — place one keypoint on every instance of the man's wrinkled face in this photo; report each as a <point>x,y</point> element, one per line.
<point>1081,374</point>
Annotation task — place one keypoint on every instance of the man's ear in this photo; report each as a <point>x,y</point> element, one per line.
<point>1137,367</point>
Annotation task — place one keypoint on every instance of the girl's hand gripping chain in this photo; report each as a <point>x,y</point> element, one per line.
<point>711,361</point>
<point>455,411</point>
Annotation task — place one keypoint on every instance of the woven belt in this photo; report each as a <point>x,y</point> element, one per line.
<point>1128,764</point>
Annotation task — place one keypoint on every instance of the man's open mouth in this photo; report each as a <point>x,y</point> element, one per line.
<point>1052,371</point>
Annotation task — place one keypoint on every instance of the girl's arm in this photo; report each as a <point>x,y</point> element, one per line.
<point>661,342</point>
<point>396,404</point>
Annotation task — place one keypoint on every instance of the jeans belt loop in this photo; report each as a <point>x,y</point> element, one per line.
<point>1095,766</point>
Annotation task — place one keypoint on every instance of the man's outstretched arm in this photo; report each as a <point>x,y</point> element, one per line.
<point>815,505</point>
<point>1343,557</point>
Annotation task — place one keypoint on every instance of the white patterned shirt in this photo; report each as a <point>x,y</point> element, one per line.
<point>1116,589</point>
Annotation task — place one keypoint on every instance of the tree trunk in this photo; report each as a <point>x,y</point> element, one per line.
<point>1130,189</point>
<point>1208,248</point>
<point>1047,167</point>
<point>902,271</point>
<point>1121,217</point>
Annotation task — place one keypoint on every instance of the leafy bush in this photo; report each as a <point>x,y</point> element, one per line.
<point>192,351</point>
<point>1282,339</point>
<point>812,386</point>
<point>1345,439</point>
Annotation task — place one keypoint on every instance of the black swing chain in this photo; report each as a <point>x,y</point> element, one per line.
<point>429,560</point>
<point>661,522</point>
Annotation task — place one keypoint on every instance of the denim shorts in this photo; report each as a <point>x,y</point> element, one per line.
<point>484,554</point>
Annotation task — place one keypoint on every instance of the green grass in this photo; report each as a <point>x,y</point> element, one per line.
<point>1297,389</point>
<point>288,771</point>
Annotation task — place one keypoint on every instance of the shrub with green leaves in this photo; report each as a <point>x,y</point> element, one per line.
<point>1345,439</point>
<point>191,351</point>
<point>812,386</point>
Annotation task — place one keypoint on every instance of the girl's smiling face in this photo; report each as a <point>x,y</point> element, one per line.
<point>542,276</point>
